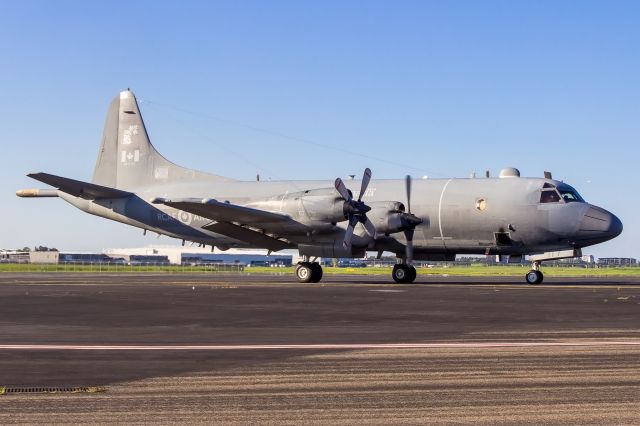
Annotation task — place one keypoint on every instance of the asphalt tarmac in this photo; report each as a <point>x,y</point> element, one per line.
<point>238,349</point>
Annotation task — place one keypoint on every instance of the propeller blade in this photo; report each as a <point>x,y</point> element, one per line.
<point>407,184</point>
<point>366,178</point>
<point>409,248</point>
<point>342,189</point>
<point>370,228</point>
<point>349,233</point>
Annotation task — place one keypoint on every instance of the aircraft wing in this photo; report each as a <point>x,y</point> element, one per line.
<point>240,222</point>
<point>224,212</point>
<point>86,190</point>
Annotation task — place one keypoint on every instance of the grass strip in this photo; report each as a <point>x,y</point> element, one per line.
<point>455,270</point>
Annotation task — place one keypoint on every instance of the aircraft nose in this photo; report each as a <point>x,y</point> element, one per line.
<point>598,225</point>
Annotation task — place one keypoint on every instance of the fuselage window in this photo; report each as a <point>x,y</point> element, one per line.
<point>549,196</point>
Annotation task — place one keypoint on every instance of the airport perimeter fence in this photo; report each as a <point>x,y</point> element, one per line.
<point>112,267</point>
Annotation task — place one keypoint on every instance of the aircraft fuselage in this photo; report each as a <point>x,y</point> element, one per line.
<point>460,216</point>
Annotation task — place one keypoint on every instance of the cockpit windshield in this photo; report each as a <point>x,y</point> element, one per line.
<point>569,194</point>
<point>551,194</point>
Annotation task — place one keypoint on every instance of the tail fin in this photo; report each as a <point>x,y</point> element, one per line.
<point>127,159</point>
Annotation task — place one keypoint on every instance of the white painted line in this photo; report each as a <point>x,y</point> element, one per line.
<point>469,345</point>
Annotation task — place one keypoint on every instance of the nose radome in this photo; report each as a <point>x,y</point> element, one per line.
<point>599,224</point>
<point>616,226</point>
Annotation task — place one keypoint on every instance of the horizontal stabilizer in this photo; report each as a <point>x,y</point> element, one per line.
<point>86,190</point>
<point>224,212</point>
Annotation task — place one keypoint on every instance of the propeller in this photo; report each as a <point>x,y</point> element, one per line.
<point>410,221</point>
<point>356,210</point>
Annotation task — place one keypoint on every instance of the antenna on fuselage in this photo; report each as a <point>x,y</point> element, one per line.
<point>547,175</point>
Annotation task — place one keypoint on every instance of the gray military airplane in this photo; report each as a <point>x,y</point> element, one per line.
<point>507,216</point>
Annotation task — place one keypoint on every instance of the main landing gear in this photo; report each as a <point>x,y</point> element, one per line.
<point>534,276</point>
<point>403,273</point>
<point>308,272</point>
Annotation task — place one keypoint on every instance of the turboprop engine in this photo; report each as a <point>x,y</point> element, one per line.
<point>390,217</point>
<point>323,207</point>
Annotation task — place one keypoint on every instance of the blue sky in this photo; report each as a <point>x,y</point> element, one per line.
<point>296,89</point>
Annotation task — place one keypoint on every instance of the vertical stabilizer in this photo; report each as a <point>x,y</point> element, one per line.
<point>105,171</point>
<point>127,159</point>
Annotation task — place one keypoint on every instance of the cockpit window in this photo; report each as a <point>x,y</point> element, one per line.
<point>570,194</point>
<point>549,196</point>
<point>563,192</point>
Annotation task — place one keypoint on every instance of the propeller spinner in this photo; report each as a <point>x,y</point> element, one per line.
<point>356,210</point>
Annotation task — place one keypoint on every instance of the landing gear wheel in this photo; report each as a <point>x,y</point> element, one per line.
<point>308,272</point>
<point>403,274</point>
<point>412,274</point>
<point>304,273</point>
<point>534,277</point>
<point>316,272</point>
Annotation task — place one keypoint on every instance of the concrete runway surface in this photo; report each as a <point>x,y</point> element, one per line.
<point>238,349</point>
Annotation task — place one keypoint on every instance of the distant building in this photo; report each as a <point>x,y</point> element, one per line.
<point>588,258</point>
<point>14,256</point>
<point>141,259</point>
<point>50,257</point>
<point>351,263</point>
<point>235,258</point>
<point>190,255</point>
<point>617,261</point>
<point>88,258</point>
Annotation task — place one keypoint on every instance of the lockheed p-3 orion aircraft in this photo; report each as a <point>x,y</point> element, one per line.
<point>426,219</point>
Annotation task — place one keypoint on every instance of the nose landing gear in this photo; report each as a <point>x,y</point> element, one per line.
<point>534,276</point>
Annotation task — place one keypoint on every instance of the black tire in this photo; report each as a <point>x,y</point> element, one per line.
<point>401,273</point>
<point>316,272</point>
<point>412,274</point>
<point>534,277</point>
<point>304,272</point>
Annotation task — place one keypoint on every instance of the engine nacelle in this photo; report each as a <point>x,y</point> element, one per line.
<point>315,206</point>
<point>387,216</point>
